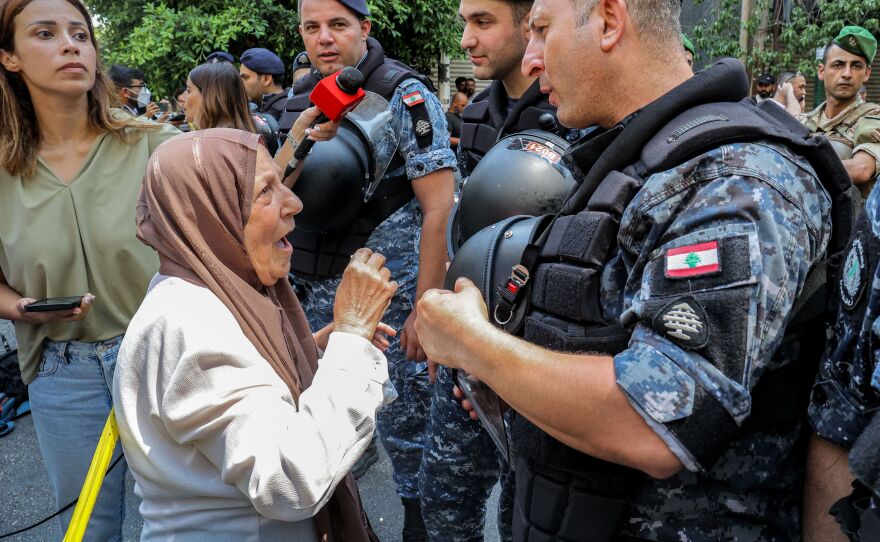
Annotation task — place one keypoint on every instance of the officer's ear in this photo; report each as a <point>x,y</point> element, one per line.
<point>615,17</point>
<point>366,26</point>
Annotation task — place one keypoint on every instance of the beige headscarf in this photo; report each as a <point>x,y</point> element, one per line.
<point>192,210</point>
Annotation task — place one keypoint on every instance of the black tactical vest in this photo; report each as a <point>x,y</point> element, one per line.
<point>319,255</point>
<point>485,121</point>
<point>562,493</point>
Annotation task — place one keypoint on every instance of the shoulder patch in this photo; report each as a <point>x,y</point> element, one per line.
<point>413,99</point>
<point>853,276</point>
<point>693,260</point>
<point>684,321</point>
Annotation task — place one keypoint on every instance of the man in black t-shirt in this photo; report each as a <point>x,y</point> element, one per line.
<point>453,117</point>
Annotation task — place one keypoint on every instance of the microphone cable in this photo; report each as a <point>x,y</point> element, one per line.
<point>62,510</point>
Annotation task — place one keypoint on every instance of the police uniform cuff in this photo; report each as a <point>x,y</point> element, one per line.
<point>694,421</point>
<point>675,446</point>
<point>419,165</point>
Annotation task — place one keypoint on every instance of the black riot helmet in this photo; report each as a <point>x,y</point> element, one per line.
<point>267,127</point>
<point>522,174</point>
<point>332,182</point>
<point>488,257</point>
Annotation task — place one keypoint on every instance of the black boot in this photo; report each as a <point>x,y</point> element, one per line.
<point>413,525</point>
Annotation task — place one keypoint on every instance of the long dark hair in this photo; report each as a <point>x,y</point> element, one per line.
<point>19,131</point>
<point>224,101</point>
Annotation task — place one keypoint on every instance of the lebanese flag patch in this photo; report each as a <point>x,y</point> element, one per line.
<point>692,260</point>
<point>413,99</point>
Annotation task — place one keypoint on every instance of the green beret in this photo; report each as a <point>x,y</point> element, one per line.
<point>688,45</point>
<point>858,41</point>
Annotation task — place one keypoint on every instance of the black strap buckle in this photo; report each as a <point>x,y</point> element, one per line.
<point>510,293</point>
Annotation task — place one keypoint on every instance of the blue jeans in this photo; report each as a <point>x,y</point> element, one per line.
<point>70,401</point>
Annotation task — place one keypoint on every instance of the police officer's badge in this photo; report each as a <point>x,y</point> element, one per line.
<point>684,321</point>
<point>423,127</point>
<point>853,276</point>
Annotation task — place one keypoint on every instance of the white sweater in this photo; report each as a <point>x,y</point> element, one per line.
<point>213,437</point>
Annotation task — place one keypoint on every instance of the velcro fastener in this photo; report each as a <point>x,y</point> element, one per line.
<point>484,138</point>
<point>566,336</point>
<point>614,193</point>
<point>707,432</point>
<point>476,112</point>
<point>567,290</point>
<point>585,238</point>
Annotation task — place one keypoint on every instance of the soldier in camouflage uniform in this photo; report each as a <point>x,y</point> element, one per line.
<point>412,237</point>
<point>707,264</point>
<point>852,125</point>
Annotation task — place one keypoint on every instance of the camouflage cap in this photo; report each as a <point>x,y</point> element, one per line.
<point>858,41</point>
<point>688,45</point>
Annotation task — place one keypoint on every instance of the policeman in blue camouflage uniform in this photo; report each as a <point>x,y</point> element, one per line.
<point>410,235</point>
<point>460,465</point>
<point>846,398</point>
<point>644,387</point>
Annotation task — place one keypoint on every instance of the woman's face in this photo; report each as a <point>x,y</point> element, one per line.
<point>272,210</point>
<point>193,101</point>
<point>181,100</point>
<point>54,53</point>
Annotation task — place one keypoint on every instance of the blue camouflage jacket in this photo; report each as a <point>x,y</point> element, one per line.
<point>847,390</point>
<point>711,257</point>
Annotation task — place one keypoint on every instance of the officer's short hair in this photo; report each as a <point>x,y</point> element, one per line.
<point>299,10</point>
<point>654,20</point>
<point>519,8</point>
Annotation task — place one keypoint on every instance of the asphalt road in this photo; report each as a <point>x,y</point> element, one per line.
<point>26,496</point>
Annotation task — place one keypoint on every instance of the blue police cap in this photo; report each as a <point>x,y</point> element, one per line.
<point>262,60</point>
<point>357,6</point>
<point>301,61</point>
<point>220,56</point>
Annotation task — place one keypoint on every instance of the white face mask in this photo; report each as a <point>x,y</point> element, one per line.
<point>144,96</point>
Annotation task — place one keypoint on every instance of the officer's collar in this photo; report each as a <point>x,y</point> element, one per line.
<point>725,81</point>
<point>585,151</point>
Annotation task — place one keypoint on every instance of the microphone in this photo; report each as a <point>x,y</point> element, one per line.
<point>335,96</point>
<point>548,123</point>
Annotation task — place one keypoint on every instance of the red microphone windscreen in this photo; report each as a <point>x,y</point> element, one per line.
<point>332,100</point>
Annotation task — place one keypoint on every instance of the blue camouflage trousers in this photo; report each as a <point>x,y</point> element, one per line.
<point>401,424</point>
<point>459,468</point>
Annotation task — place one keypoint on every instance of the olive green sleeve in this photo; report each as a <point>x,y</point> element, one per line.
<point>867,138</point>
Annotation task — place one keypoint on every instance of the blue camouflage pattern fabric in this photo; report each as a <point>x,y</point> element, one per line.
<point>459,468</point>
<point>402,424</point>
<point>770,219</point>
<point>846,396</point>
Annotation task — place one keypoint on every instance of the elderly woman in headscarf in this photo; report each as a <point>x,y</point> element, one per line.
<point>231,426</point>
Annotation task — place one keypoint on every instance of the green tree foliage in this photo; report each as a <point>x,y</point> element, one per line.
<point>170,37</point>
<point>779,40</point>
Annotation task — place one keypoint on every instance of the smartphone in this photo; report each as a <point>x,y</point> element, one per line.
<point>163,106</point>
<point>54,304</point>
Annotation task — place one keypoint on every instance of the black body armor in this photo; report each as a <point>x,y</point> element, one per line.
<point>485,121</point>
<point>552,299</point>
<point>319,253</point>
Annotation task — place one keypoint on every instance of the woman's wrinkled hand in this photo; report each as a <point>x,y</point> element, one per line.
<point>53,317</point>
<point>364,295</point>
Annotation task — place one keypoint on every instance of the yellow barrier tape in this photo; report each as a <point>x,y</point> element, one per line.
<point>94,479</point>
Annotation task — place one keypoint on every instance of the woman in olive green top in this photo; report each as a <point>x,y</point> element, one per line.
<point>70,173</point>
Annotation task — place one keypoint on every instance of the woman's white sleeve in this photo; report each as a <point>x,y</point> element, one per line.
<point>287,460</point>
